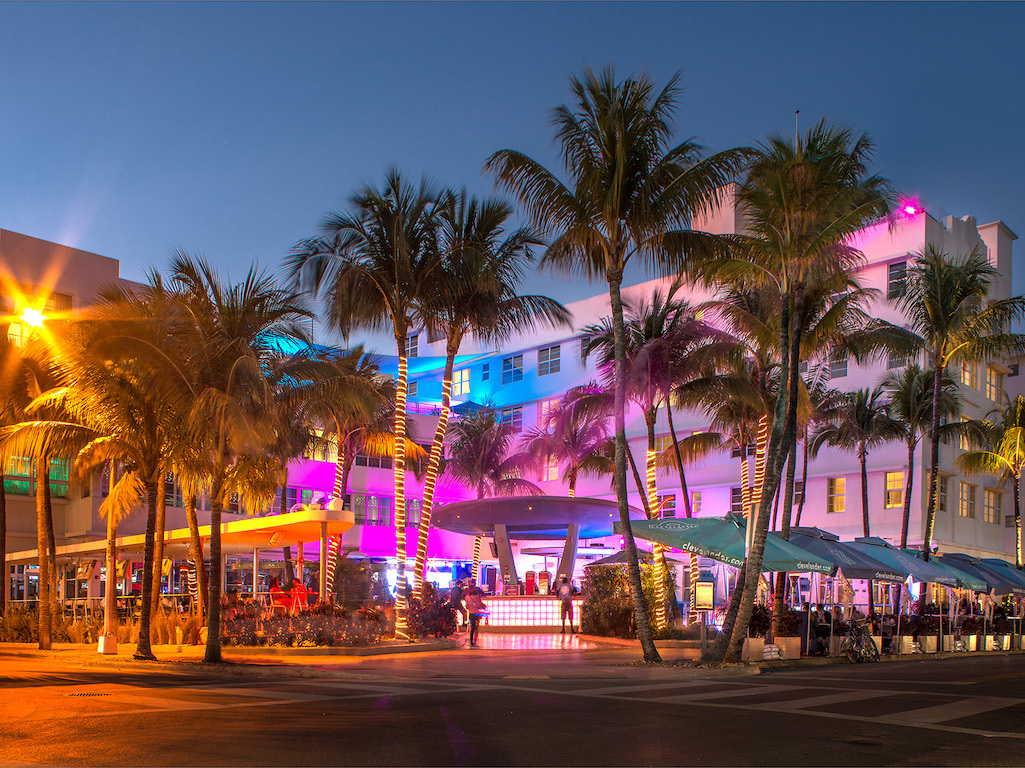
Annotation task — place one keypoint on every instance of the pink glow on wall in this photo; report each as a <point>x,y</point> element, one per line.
<point>910,207</point>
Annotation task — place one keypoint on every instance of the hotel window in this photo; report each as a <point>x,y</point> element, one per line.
<point>550,471</point>
<point>798,492</point>
<point>377,462</point>
<point>545,409</point>
<point>414,512</point>
<point>695,503</point>
<point>896,279</point>
<point>966,506</point>
<point>414,388</point>
<point>897,360</point>
<point>485,372</point>
<point>743,451</point>
<point>970,373</point>
<point>941,494</point>
<point>412,345</point>
<point>373,510</point>
<point>835,494</point>
<point>512,369</point>
<point>894,489</point>
<point>994,384</point>
<point>513,416</point>
<point>963,442</point>
<point>585,343</point>
<point>461,382</point>
<point>548,360</point>
<point>667,505</point>
<point>736,500</point>
<point>991,510</point>
<point>838,365</point>
<point>662,444</point>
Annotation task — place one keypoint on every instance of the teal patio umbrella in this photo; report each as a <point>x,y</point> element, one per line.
<point>1006,569</point>
<point>920,570</point>
<point>722,538</point>
<point>964,580</point>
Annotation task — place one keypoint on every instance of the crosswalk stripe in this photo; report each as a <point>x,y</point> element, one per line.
<point>840,697</point>
<point>736,692</point>
<point>975,705</point>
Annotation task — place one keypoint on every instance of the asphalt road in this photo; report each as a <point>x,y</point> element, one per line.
<point>514,708</point>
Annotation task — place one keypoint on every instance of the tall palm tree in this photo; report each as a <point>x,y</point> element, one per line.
<point>630,195</point>
<point>909,404</point>
<point>237,329</point>
<point>859,423</point>
<point>375,265</point>
<point>804,199</point>
<point>1003,456</point>
<point>481,457</point>
<point>476,293</point>
<point>950,314</point>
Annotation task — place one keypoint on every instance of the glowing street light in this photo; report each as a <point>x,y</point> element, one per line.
<point>33,317</point>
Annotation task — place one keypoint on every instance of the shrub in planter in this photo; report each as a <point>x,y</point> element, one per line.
<point>430,616</point>
<point>790,624</point>
<point>19,625</point>
<point>760,621</point>
<point>608,609</point>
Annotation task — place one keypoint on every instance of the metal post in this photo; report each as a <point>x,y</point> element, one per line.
<point>569,553</point>
<point>256,574</point>
<point>505,557</point>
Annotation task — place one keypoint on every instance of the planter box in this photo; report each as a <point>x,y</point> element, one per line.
<point>789,647</point>
<point>1003,642</point>
<point>990,643</point>
<point>878,640</point>
<point>928,643</point>
<point>948,643</point>
<point>971,642</point>
<point>834,645</point>
<point>907,644</point>
<point>753,647</point>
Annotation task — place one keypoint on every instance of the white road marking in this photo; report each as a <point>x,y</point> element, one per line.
<point>954,710</point>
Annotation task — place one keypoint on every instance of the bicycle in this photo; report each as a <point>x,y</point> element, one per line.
<point>857,644</point>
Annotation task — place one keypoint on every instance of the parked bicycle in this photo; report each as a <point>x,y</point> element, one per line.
<point>857,644</point>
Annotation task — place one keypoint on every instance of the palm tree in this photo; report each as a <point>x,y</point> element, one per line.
<point>481,457</point>
<point>950,314</point>
<point>375,266</point>
<point>630,196</point>
<point>476,293</point>
<point>1003,456</point>
<point>805,200</point>
<point>859,423</point>
<point>236,329</point>
<point>910,406</point>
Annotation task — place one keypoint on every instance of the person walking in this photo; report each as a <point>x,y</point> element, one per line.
<point>455,599</point>
<point>565,592</point>
<point>476,607</point>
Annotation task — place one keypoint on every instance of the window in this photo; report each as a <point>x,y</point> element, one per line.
<point>667,505</point>
<point>513,416</point>
<point>994,384</point>
<point>412,344</point>
<point>895,360</point>
<point>414,512</point>
<point>461,382</point>
<point>798,492</point>
<point>414,388</point>
<point>379,462</point>
<point>585,343</point>
<point>963,441</point>
<point>16,334</point>
<point>736,500</point>
<point>662,444</point>
<point>941,494</point>
<point>485,372</point>
<point>969,374</point>
<point>894,489</point>
<point>550,471</point>
<point>966,506</point>
<point>548,360</point>
<point>835,494</point>
<point>896,280</point>
<point>838,366</point>
<point>373,510</point>
<point>695,503</point>
<point>991,510</point>
<point>743,451</point>
<point>512,369</point>
<point>545,409</point>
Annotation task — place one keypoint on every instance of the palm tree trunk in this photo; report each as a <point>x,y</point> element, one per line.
<point>433,465</point>
<point>934,459</point>
<point>143,650</point>
<point>657,551</point>
<point>51,538</point>
<point>213,613</point>
<point>679,462</point>
<point>44,576</point>
<point>196,545</point>
<point>908,486</point>
<point>863,457</point>
<point>110,584</point>
<point>693,563</point>
<point>3,546</point>
<point>1015,484</point>
<point>639,484</point>
<point>650,653</point>
<point>158,541</point>
<point>788,503</point>
<point>804,479</point>
<point>401,628</point>
<point>572,478</point>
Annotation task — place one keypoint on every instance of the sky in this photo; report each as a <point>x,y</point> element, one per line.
<point>230,129</point>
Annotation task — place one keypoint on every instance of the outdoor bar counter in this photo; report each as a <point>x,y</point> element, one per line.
<point>511,613</point>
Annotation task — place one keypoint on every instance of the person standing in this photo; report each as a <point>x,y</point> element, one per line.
<point>455,599</point>
<point>565,592</point>
<point>476,607</point>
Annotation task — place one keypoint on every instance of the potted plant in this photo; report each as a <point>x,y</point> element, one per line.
<point>971,628</point>
<point>789,640</point>
<point>754,644</point>
<point>1002,631</point>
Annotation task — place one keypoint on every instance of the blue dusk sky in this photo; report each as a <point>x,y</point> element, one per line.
<point>230,129</point>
